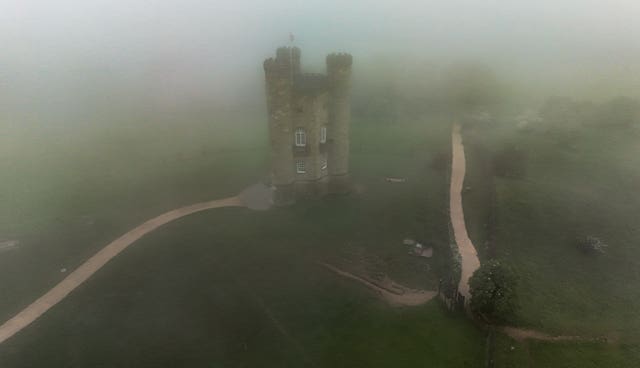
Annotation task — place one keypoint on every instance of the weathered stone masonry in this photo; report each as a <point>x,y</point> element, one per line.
<point>309,116</point>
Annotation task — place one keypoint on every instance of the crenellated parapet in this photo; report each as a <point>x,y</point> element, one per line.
<point>285,64</point>
<point>339,60</point>
<point>273,68</point>
<point>286,52</point>
<point>289,56</point>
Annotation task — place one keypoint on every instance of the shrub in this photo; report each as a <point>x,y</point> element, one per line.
<point>493,292</point>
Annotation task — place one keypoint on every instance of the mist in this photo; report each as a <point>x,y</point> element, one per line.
<point>457,188</point>
<point>167,54</point>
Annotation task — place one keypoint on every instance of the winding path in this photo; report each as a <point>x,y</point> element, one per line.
<point>468,254</point>
<point>469,257</point>
<point>255,197</point>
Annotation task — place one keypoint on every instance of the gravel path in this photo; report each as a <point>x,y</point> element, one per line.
<point>522,334</point>
<point>96,262</point>
<point>468,254</point>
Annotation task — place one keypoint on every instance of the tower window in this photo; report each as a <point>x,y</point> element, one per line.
<point>301,137</point>
<point>323,134</point>
<point>300,168</point>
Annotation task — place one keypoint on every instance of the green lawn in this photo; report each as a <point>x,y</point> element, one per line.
<point>204,292</point>
<point>578,184</point>
<point>511,354</point>
<point>586,190</point>
<point>230,287</point>
<point>69,190</point>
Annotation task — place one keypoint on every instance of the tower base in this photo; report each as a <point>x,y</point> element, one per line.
<point>284,195</point>
<point>340,184</point>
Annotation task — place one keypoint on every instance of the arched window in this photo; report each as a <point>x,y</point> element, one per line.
<point>301,137</point>
<point>323,134</point>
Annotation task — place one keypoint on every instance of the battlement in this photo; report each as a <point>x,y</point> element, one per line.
<point>286,62</point>
<point>339,60</point>
<point>274,68</point>
<point>288,55</point>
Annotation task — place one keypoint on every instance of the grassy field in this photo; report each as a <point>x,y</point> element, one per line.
<point>204,292</point>
<point>70,189</point>
<point>238,288</point>
<point>576,184</point>
<point>510,354</point>
<point>228,287</point>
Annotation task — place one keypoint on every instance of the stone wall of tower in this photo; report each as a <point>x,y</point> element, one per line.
<point>310,102</point>
<point>310,115</point>
<point>339,75</point>
<point>279,73</point>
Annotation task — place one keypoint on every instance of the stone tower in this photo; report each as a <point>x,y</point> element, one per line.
<point>309,116</point>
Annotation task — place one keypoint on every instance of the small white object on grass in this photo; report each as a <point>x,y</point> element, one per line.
<point>395,180</point>
<point>8,244</point>
<point>63,270</point>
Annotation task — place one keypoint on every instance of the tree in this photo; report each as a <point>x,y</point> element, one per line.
<point>493,292</point>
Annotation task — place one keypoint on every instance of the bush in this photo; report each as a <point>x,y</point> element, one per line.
<point>493,292</point>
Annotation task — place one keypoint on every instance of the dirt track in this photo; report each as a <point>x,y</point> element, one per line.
<point>96,262</point>
<point>468,254</point>
<point>522,334</point>
<point>408,297</point>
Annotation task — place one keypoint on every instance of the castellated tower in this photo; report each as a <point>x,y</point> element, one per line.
<point>309,116</point>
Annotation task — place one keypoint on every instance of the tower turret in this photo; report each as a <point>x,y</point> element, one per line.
<point>289,56</point>
<point>279,76</point>
<point>339,75</point>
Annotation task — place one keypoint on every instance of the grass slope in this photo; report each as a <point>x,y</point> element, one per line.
<point>577,184</point>
<point>231,287</point>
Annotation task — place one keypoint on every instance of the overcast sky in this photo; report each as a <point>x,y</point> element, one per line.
<point>218,46</point>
